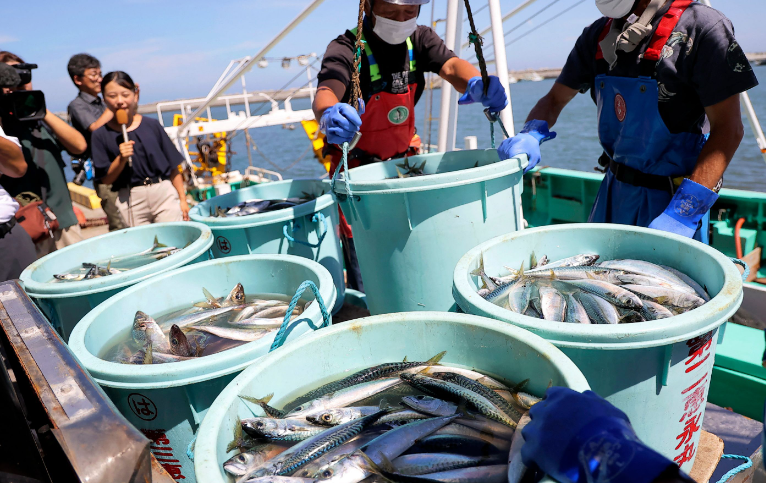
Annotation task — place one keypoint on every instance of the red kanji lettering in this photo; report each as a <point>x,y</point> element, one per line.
<point>693,402</point>
<point>695,384</point>
<point>691,427</point>
<point>686,455</point>
<point>174,471</point>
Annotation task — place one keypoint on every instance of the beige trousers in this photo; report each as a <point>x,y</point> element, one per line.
<point>156,203</point>
<point>61,238</point>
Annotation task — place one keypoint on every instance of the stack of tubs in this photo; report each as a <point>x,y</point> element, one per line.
<point>65,303</point>
<point>491,347</point>
<point>658,372</point>
<point>167,402</point>
<point>313,236</point>
<point>410,232</point>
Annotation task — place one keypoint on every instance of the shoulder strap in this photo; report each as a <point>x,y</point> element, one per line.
<point>602,36</point>
<point>664,29</point>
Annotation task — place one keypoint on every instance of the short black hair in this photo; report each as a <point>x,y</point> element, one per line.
<point>121,78</point>
<point>79,63</point>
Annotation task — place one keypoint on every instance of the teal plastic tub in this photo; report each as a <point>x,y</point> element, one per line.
<point>409,233</point>
<point>65,303</point>
<point>495,348</point>
<point>309,230</point>
<point>167,402</point>
<point>657,372</point>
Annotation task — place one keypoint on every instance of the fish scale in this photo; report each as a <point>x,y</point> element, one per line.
<point>314,447</point>
<point>481,389</point>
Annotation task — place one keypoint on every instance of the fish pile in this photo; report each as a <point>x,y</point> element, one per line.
<point>117,265</point>
<point>203,329</point>
<point>582,290</point>
<point>398,421</point>
<point>255,206</point>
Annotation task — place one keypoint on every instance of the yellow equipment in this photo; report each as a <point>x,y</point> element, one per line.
<point>213,157</point>
<point>317,141</point>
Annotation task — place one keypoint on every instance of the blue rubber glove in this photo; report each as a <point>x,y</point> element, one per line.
<point>495,99</point>
<point>339,123</point>
<point>580,437</point>
<point>527,142</point>
<point>88,166</point>
<point>690,203</point>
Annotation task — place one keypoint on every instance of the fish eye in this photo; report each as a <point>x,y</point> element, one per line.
<point>259,424</point>
<point>326,417</point>
<point>420,398</point>
<point>174,341</point>
<point>326,474</point>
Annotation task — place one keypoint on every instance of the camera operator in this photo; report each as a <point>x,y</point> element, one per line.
<point>16,247</point>
<point>87,113</point>
<point>42,141</point>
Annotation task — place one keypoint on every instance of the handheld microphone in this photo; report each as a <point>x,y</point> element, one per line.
<point>121,116</point>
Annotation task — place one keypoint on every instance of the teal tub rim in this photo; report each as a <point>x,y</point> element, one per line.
<point>43,290</point>
<point>621,336</point>
<point>205,450</point>
<point>449,179</point>
<point>158,376</point>
<point>278,216</point>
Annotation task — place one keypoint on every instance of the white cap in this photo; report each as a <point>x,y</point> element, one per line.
<point>614,8</point>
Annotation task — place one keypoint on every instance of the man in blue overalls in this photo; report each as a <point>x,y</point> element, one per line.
<point>666,77</point>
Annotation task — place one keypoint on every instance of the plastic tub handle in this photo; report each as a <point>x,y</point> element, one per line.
<point>318,217</point>
<point>280,337</point>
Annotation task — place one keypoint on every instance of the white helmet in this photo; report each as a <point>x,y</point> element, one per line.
<point>614,8</point>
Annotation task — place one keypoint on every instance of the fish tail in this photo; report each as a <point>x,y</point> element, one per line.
<point>405,359</point>
<point>434,361</point>
<point>533,260</point>
<point>208,295</point>
<point>157,244</point>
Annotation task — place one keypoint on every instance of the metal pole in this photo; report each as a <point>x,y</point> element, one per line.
<point>248,64</point>
<point>448,109</point>
<point>501,62</point>
<point>506,17</point>
<point>755,125</point>
<point>246,97</point>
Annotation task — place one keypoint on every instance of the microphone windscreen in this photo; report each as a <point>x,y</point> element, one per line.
<point>121,116</point>
<point>8,76</point>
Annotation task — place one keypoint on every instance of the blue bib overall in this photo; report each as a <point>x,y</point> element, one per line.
<point>633,134</point>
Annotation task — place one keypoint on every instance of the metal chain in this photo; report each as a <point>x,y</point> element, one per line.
<point>356,90</point>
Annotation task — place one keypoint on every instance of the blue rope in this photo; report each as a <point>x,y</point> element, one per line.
<point>318,217</point>
<point>747,464</point>
<point>493,118</point>
<point>190,448</point>
<point>343,163</point>
<point>744,265</point>
<point>280,337</point>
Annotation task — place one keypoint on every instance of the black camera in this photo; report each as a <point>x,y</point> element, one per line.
<point>19,107</point>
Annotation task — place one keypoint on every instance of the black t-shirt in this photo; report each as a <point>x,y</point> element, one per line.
<point>154,154</point>
<point>428,49</point>
<point>701,64</point>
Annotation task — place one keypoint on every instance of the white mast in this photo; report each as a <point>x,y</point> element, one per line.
<point>501,64</point>
<point>448,109</point>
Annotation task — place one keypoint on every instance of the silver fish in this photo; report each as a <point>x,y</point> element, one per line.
<point>281,429</point>
<point>246,335</point>
<point>575,313</point>
<point>430,405</point>
<point>393,443</point>
<point>635,279</point>
<point>195,318</point>
<point>599,310</point>
<point>320,466</point>
<point>343,397</point>
<point>689,281</point>
<point>667,296</point>
<point>423,463</point>
<point>477,474</point>
<point>654,311</point>
<point>145,329</point>
<point>479,272</point>
<point>618,295</point>
<point>516,467</point>
<point>643,268</point>
<point>553,304</point>
<point>519,296</point>
<point>242,463</point>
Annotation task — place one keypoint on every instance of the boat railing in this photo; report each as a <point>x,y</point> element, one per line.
<point>261,175</point>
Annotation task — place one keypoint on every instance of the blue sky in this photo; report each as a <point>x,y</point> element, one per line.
<point>178,49</point>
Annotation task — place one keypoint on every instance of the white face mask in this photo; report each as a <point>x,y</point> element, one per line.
<point>615,8</point>
<point>393,32</point>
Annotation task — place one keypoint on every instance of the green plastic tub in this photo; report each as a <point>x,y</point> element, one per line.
<point>657,372</point>
<point>64,304</point>
<point>167,402</point>
<point>309,230</point>
<point>409,233</point>
<point>495,348</point>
